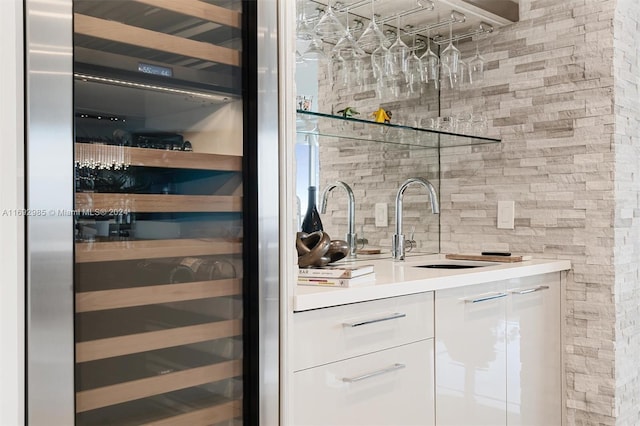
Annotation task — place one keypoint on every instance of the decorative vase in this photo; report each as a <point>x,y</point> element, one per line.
<point>311,222</point>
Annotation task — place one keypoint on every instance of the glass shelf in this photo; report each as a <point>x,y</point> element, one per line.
<point>315,123</point>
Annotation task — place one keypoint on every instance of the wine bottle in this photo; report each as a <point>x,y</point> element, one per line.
<point>311,222</point>
<point>201,269</point>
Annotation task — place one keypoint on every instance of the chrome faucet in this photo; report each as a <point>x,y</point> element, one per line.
<point>397,246</point>
<point>350,236</point>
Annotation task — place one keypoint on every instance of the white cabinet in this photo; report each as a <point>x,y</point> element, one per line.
<point>471,355</point>
<point>498,358</point>
<point>534,362</point>
<point>478,355</point>
<point>368,363</point>
<point>331,334</point>
<point>393,387</point>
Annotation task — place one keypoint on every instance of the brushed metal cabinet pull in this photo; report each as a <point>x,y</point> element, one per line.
<point>358,323</point>
<point>365,376</point>
<point>530,290</point>
<point>484,298</point>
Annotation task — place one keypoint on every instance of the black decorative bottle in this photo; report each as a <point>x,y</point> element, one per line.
<point>311,221</point>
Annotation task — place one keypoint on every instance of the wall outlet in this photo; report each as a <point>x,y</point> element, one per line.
<point>382,215</point>
<point>506,214</point>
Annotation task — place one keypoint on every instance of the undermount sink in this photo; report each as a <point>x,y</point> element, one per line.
<point>444,264</point>
<point>449,266</point>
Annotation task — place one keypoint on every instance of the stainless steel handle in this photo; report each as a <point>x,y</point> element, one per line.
<point>358,323</point>
<point>530,290</point>
<point>483,298</point>
<point>394,367</point>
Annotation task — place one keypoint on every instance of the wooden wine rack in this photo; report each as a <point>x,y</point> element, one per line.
<point>170,159</point>
<point>152,203</point>
<point>153,249</point>
<point>106,37</point>
<point>142,342</point>
<point>211,415</point>
<point>129,391</point>
<point>199,9</point>
<point>91,301</point>
<point>122,33</point>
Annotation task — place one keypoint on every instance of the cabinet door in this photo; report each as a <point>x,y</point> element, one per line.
<point>471,355</point>
<point>390,387</point>
<point>534,387</point>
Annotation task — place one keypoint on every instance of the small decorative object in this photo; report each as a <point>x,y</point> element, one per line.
<point>382,116</point>
<point>337,250</point>
<point>348,112</point>
<point>317,249</point>
<point>312,248</point>
<point>304,103</point>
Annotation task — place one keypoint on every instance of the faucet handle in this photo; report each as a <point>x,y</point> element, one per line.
<point>410,243</point>
<point>362,241</point>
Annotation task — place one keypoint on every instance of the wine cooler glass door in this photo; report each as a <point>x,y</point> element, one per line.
<point>159,213</point>
<point>162,220</point>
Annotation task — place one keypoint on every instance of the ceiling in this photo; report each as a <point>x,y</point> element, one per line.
<point>507,9</point>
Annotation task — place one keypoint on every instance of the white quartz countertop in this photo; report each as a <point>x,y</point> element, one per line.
<point>401,278</point>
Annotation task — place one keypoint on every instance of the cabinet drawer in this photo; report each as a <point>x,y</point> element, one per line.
<point>332,334</point>
<point>391,387</point>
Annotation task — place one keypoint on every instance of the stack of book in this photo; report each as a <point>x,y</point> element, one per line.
<point>336,276</point>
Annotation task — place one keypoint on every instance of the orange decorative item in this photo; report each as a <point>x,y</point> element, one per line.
<point>382,116</point>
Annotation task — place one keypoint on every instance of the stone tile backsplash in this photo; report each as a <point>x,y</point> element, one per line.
<point>561,91</point>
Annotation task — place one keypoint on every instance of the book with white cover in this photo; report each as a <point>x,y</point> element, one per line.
<point>337,282</point>
<point>337,271</point>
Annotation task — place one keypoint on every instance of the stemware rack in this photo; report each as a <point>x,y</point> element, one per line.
<point>469,20</point>
<point>483,28</point>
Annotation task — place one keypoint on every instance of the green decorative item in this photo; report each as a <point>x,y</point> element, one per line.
<point>348,112</point>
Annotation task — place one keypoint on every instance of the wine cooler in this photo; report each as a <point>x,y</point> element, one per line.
<point>152,266</point>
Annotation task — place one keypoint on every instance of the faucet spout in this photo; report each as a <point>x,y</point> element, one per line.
<point>350,236</point>
<point>398,243</point>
